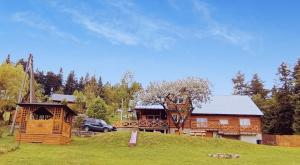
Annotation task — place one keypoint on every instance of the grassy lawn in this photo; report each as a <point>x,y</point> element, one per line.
<point>153,148</point>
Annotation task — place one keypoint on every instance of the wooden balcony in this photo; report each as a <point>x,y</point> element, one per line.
<point>143,124</point>
<point>225,129</point>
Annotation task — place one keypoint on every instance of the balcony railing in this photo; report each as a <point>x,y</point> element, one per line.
<point>158,124</point>
<point>225,129</point>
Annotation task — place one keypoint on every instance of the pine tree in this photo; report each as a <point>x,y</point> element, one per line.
<point>284,115</point>
<point>239,85</point>
<point>71,84</point>
<point>256,87</point>
<point>100,91</point>
<point>8,61</point>
<point>270,110</point>
<point>86,78</point>
<point>296,98</point>
<point>80,85</point>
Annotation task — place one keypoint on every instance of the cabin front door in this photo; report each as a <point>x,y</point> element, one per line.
<point>153,117</point>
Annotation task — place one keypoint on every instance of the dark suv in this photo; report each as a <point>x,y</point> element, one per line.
<point>97,125</point>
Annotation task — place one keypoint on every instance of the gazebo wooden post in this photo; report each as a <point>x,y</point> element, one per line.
<point>61,120</point>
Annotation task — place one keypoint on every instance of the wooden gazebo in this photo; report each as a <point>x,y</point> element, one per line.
<point>48,123</point>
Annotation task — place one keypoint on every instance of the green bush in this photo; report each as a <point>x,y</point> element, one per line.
<point>78,121</point>
<point>98,109</point>
<point>5,149</point>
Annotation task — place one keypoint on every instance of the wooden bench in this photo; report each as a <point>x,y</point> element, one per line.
<point>198,133</point>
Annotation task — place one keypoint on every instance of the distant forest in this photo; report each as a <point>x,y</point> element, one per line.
<point>90,91</point>
<point>281,104</point>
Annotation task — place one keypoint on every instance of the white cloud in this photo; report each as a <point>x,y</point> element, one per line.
<point>34,21</point>
<point>221,31</point>
<point>122,23</point>
<point>104,29</point>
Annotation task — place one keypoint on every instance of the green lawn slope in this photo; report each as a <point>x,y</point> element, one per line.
<point>152,148</point>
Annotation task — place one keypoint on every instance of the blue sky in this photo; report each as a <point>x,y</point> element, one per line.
<point>156,40</point>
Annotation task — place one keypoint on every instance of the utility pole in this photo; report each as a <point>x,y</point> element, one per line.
<point>31,88</point>
<point>28,69</point>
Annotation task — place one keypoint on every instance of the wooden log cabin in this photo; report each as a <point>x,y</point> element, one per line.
<point>48,123</point>
<point>234,117</point>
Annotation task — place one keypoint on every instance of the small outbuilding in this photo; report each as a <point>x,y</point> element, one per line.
<point>49,123</point>
<point>59,98</point>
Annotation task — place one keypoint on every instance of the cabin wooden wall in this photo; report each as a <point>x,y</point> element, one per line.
<point>233,120</point>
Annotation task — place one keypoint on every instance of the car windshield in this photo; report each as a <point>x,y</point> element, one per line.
<point>103,122</point>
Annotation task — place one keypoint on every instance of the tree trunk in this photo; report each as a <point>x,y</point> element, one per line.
<point>1,118</point>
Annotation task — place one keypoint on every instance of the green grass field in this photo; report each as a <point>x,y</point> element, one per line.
<point>153,148</point>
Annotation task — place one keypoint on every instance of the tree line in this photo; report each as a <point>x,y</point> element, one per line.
<point>280,104</point>
<point>93,97</point>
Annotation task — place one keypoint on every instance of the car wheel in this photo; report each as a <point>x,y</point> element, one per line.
<point>86,128</point>
<point>105,130</point>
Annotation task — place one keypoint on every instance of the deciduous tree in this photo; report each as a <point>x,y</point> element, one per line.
<point>11,77</point>
<point>195,91</point>
<point>98,109</point>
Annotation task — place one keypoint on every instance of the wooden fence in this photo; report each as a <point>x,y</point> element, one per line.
<point>281,140</point>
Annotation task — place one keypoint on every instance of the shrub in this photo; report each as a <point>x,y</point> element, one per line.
<point>78,121</point>
<point>98,109</point>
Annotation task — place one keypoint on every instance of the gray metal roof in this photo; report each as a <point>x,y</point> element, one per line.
<point>61,97</point>
<point>229,105</point>
<point>154,106</point>
<point>221,105</point>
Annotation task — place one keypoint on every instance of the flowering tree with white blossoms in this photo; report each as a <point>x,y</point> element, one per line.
<point>192,91</point>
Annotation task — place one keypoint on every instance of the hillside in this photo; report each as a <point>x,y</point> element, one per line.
<point>153,148</point>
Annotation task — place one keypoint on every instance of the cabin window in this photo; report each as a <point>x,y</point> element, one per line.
<point>175,117</point>
<point>179,100</point>
<point>201,122</point>
<point>223,122</point>
<point>245,122</point>
<point>42,114</point>
<point>153,117</point>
